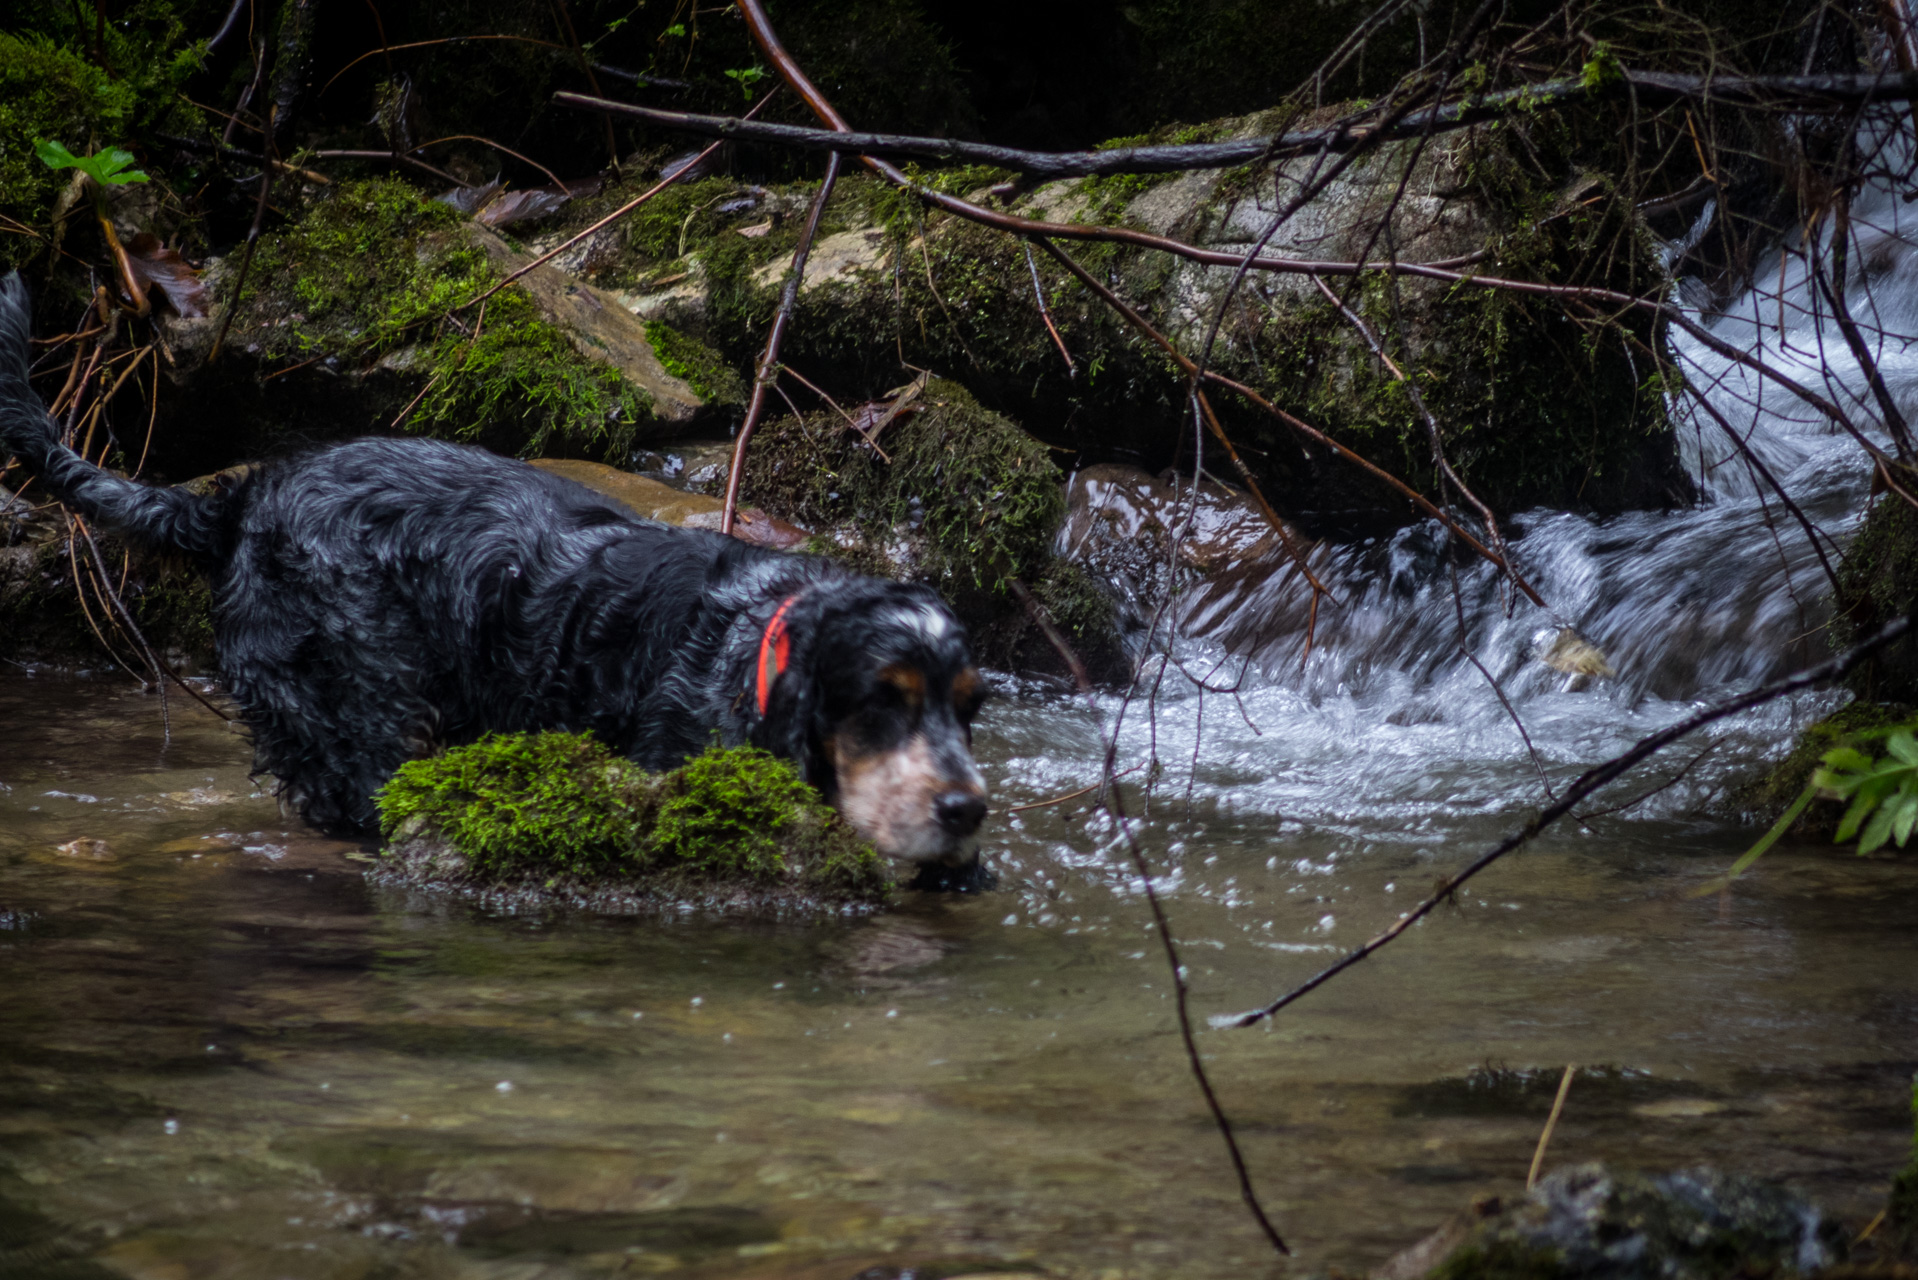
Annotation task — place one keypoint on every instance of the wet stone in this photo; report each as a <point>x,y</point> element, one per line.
<point>1601,1223</point>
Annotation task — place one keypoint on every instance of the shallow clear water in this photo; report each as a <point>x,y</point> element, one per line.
<point>224,1054</point>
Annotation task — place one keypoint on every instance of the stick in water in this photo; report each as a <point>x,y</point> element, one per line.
<point>1551,1122</point>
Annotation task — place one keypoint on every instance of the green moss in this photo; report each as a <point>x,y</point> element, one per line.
<point>1500,1260</point>
<point>726,810</point>
<point>986,495</point>
<point>696,364</point>
<point>517,802</point>
<point>1082,610</point>
<point>1854,725</point>
<point>375,266</point>
<point>557,804</point>
<point>1878,581</point>
<point>523,379</point>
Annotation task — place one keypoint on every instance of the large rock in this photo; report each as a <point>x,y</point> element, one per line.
<point>1594,1222</point>
<point>1535,409</point>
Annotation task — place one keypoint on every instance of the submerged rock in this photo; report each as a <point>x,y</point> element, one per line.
<point>524,821</point>
<point>1598,1223</point>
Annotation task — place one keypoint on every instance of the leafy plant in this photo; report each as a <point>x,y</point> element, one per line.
<point>1883,795</point>
<point>746,78</point>
<point>107,166</point>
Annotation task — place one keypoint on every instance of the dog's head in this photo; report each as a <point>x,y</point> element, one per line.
<point>878,703</point>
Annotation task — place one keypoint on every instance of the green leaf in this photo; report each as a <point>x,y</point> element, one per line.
<point>107,167</point>
<point>1877,831</point>
<point>1861,808</point>
<point>1905,813</point>
<point>746,77</point>
<point>1904,746</point>
<point>53,155</point>
<point>1847,760</point>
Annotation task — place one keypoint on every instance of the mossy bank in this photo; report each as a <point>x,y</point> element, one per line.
<point>554,819</point>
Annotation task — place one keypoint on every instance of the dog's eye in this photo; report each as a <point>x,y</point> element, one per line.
<point>906,681</point>
<point>967,695</point>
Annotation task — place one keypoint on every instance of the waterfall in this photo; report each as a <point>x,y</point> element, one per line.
<point>1685,605</point>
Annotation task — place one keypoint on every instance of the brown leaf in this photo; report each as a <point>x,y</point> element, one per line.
<point>523,206</point>
<point>756,230</point>
<point>157,267</point>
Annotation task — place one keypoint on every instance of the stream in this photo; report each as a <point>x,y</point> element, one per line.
<point>224,1055</point>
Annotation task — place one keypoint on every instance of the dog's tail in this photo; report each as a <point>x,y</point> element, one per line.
<point>154,514</point>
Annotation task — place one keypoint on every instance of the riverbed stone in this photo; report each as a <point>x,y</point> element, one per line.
<point>1597,1222</point>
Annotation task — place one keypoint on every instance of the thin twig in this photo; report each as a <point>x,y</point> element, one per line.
<point>1043,620</point>
<point>252,240</point>
<point>1551,1122</point>
<point>1045,312</point>
<point>768,371</point>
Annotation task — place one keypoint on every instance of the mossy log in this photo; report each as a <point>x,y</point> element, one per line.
<point>557,819</point>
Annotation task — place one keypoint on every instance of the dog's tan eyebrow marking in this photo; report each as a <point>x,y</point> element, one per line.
<point>910,681</point>
<point>965,687</point>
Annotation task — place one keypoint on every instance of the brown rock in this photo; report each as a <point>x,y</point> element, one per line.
<point>655,501</point>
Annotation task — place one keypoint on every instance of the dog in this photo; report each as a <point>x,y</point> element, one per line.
<point>382,599</point>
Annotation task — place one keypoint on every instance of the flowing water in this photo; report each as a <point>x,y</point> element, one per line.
<point>224,1054</point>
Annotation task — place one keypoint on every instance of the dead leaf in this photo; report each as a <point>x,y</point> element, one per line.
<point>872,418</point>
<point>756,230</point>
<point>1573,654</point>
<point>157,267</point>
<point>470,200</point>
<point>86,847</point>
<point>494,206</point>
<point>523,206</point>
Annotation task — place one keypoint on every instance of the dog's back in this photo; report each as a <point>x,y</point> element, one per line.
<point>388,596</point>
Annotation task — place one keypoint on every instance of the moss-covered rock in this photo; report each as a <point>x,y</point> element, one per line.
<point>359,290</point>
<point>961,499</point>
<point>1598,1223</point>
<point>558,816</point>
<point>1878,581</point>
<point>985,497</point>
<point>1859,724</point>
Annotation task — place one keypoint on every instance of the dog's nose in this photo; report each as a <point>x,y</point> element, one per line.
<point>960,812</point>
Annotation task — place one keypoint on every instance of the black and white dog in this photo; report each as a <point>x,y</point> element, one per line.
<point>381,599</point>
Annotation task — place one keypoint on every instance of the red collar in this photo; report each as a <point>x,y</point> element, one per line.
<point>775,645</point>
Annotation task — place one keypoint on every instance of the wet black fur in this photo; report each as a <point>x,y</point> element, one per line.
<point>383,598</point>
